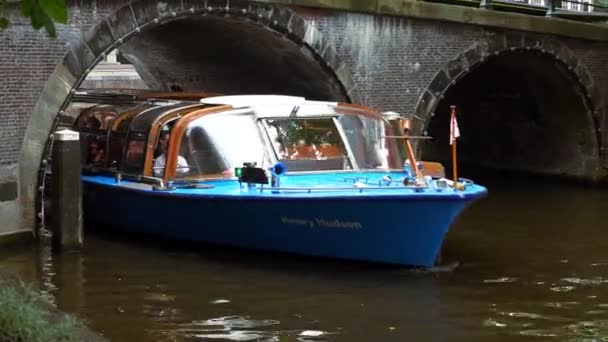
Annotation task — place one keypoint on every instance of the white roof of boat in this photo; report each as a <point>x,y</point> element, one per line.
<point>239,101</point>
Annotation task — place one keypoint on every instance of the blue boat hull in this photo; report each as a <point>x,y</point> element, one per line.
<point>390,229</point>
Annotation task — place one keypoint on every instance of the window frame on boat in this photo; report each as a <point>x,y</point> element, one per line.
<point>347,156</point>
<point>175,140</point>
<point>260,114</point>
<point>135,143</point>
<point>119,131</point>
<point>217,143</point>
<point>142,124</point>
<point>337,111</point>
<point>302,109</point>
<point>144,132</point>
<point>104,116</point>
<point>155,131</point>
<point>395,162</point>
<point>91,112</point>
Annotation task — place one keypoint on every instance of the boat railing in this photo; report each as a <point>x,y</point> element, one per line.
<point>360,184</point>
<point>341,188</point>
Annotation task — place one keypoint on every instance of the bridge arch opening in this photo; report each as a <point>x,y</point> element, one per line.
<point>520,111</point>
<point>229,56</point>
<point>248,48</point>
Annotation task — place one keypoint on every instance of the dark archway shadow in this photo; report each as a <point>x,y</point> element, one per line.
<point>229,56</point>
<point>518,111</point>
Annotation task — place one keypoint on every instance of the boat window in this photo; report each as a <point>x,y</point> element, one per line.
<point>215,144</point>
<point>95,154</point>
<point>93,124</point>
<point>308,144</point>
<point>95,119</point>
<point>160,152</point>
<point>117,143</point>
<point>370,148</point>
<point>135,153</point>
<point>118,138</point>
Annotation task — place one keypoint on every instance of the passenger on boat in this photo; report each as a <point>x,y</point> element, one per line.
<point>92,123</point>
<point>96,153</point>
<point>135,152</point>
<point>160,161</point>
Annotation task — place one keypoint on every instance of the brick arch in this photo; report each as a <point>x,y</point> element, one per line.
<point>497,44</point>
<point>126,23</point>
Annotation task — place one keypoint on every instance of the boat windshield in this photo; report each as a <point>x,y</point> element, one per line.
<point>333,139</point>
<point>213,145</point>
<point>317,138</point>
<point>308,143</point>
<point>369,146</point>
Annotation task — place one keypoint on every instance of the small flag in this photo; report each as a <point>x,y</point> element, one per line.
<point>454,130</point>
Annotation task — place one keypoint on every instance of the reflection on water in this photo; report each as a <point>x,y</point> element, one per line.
<point>534,266</point>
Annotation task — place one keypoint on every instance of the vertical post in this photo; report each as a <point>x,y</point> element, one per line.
<point>453,143</point>
<point>67,191</point>
<point>550,8</point>
<point>405,132</point>
<point>487,4</point>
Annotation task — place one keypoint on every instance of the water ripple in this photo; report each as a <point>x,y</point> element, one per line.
<point>523,315</point>
<point>562,288</point>
<point>493,323</point>
<point>537,333</point>
<point>560,305</point>
<point>578,331</point>
<point>238,322</point>
<point>220,301</point>
<point>591,282</point>
<point>238,328</point>
<point>501,280</point>
<point>239,336</point>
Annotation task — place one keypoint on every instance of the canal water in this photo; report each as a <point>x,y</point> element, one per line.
<point>533,267</point>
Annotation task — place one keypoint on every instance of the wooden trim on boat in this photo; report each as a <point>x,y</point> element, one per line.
<point>99,108</point>
<point>154,132</point>
<point>354,109</point>
<point>211,176</point>
<point>128,114</point>
<point>357,106</point>
<point>175,140</point>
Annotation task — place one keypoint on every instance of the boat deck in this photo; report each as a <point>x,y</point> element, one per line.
<point>339,185</point>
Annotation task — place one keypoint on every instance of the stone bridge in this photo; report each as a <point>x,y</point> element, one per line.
<point>531,91</point>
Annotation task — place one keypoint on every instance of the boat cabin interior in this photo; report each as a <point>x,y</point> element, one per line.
<point>197,140</point>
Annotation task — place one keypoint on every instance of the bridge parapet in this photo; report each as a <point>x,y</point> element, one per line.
<point>509,14</point>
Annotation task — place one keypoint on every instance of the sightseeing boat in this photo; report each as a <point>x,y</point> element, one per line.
<point>269,172</point>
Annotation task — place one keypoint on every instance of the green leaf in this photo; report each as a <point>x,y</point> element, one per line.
<point>39,18</point>
<point>50,27</point>
<point>3,23</point>
<point>56,9</point>
<point>43,13</point>
<point>27,7</point>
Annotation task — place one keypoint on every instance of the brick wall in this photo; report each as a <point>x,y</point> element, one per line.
<point>393,59</point>
<point>28,58</point>
<point>595,56</point>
